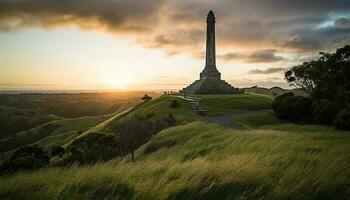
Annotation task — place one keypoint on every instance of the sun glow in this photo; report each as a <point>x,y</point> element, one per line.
<point>118,84</point>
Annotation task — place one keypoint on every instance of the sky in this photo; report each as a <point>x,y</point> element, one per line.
<point>160,44</point>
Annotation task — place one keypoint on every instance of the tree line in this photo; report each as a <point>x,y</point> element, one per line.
<point>327,83</point>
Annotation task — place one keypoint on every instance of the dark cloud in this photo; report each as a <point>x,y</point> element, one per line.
<point>297,42</point>
<point>179,25</point>
<point>112,15</point>
<point>267,71</point>
<point>266,56</point>
<point>342,22</point>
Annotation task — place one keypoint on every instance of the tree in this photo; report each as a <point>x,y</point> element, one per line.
<point>146,98</point>
<point>325,77</point>
<point>293,108</point>
<point>133,134</point>
<point>93,148</point>
<point>137,131</point>
<point>342,120</point>
<point>25,158</point>
<point>324,111</point>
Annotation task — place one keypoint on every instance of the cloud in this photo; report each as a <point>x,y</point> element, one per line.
<point>297,42</point>
<point>265,56</point>
<point>111,15</point>
<point>178,26</point>
<point>342,22</point>
<point>268,82</point>
<point>267,71</point>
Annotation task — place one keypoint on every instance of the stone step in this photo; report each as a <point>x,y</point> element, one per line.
<point>192,99</point>
<point>196,106</point>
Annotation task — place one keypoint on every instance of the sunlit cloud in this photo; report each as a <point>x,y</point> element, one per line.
<point>265,56</point>
<point>271,70</point>
<point>257,33</point>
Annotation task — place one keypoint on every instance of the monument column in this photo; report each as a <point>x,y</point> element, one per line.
<point>210,78</point>
<point>210,45</point>
<point>210,71</point>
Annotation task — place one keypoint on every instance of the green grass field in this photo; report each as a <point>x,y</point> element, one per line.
<point>198,160</point>
<point>205,161</point>
<point>226,104</point>
<point>274,91</point>
<point>154,109</point>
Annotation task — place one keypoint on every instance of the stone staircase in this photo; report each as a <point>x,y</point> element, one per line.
<point>196,106</point>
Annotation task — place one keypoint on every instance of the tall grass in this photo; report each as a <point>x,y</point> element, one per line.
<point>205,161</point>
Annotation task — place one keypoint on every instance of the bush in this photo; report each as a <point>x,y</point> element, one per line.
<point>343,99</point>
<point>93,148</point>
<point>342,120</point>
<point>293,108</point>
<point>324,111</point>
<point>278,107</point>
<point>57,151</point>
<point>146,98</point>
<point>25,158</point>
<point>174,104</point>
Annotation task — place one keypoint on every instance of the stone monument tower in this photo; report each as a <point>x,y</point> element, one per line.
<point>210,78</point>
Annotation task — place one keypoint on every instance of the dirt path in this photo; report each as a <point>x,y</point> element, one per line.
<point>228,120</point>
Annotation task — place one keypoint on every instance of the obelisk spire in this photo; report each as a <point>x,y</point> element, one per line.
<point>210,71</point>
<point>210,50</point>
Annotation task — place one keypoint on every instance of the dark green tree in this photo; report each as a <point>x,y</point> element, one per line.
<point>57,151</point>
<point>146,98</point>
<point>25,158</point>
<point>342,120</point>
<point>325,77</point>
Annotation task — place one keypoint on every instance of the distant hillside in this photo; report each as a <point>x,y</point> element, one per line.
<point>56,132</point>
<point>72,105</point>
<point>274,91</point>
<point>14,120</point>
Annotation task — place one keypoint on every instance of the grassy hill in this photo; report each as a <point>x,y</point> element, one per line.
<point>153,110</point>
<point>14,120</point>
<point>199,160</point>
<point>226,104</point>
<point>204,161</point>
<point>56,132</point>
<point>274,91</point>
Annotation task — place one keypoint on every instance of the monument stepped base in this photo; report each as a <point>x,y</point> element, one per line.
<point>211,86</point>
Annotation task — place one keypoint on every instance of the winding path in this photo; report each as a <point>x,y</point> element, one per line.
<point>228,120</point>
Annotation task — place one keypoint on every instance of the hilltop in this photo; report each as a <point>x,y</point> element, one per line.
<point>268,159</point>
<point>274,91</point>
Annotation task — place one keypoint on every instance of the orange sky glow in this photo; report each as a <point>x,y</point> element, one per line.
<point>159,45</point>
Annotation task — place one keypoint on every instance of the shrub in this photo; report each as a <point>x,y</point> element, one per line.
<point>342,120</point>
<point>293,108</point>
<point>25,158</point>
<point>278,107</point>
<point>174,104</point>
<point>324,111</point>
<point>146,98</point>
<point>57,151</point>
<point>93,148</point>
<point>343,99</point>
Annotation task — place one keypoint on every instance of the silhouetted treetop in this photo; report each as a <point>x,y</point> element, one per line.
<point>325,77</point>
